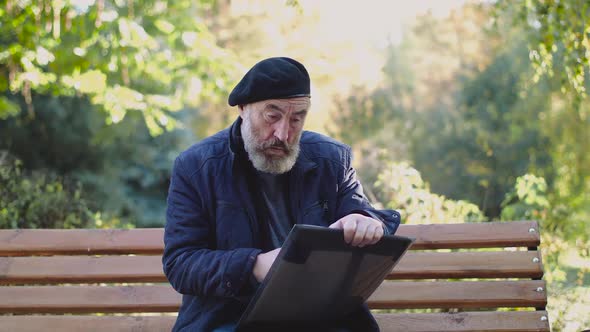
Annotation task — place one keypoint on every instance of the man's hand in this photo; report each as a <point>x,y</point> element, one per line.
<point>263,264</point>
<point>359,230</point>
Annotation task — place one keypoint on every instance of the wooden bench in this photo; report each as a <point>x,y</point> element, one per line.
<point>112,280</point>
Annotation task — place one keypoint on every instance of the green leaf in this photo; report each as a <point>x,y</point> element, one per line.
<point>164,26</point>
<point>91,82</point>
<point>8,108</point>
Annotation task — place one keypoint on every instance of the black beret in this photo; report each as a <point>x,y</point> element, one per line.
<point>272,78</point>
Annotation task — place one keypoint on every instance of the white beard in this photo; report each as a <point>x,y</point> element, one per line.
<point>261,161</point>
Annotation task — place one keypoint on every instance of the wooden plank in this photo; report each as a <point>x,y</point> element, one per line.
<point>25,242</point>
<point>515,321</point>
<point>414,265</point>
<point>459,294</point>
<point>88,299</point>
<point>493,321</point>
<point>473,235</point>
<point>86,323</point>
<point>150,240</point>
<point>162,298</point>
<point>80,269</point>
<point>497,264</point>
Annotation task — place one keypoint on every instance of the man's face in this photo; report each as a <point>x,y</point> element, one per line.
<point>271,130</point>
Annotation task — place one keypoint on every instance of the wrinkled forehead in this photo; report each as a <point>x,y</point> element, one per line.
<point>287,104</point>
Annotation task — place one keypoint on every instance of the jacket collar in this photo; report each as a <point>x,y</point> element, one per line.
<point>236,146</point>
<point>236,143</point>
<point>303,163</point>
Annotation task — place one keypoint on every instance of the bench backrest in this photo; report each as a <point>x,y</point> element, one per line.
<point>120,271</point>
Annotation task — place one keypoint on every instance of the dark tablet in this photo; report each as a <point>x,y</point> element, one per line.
<point>317,277</point>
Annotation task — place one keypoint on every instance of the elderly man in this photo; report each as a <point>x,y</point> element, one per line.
<point>234,197</point>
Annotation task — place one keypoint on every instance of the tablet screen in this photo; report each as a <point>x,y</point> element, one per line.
<point>318,277</point>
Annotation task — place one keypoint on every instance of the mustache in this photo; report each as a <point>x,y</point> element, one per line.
<point>276,143</point>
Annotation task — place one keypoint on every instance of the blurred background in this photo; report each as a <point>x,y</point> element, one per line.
<point>457,111</point>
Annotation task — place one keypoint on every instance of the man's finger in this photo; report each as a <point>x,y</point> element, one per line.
<point>349,227</point>
<point>370,235</point>
<point>359,235</point>
<point>336,225</point>
<point>379,232</point>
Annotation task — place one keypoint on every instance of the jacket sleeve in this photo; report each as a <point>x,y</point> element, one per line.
<point>351,199</point>
<point>190,263</point>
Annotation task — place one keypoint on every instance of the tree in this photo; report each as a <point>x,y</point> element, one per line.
<point>558,33</point>
<point>491,137</point>
<point>154,60</point>
<point>558,37</point>
<point>123,170</point>
<point>85,88</point>
<point>453,104</point>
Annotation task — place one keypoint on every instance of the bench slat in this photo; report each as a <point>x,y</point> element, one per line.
<point>493,321</point>
<point>162,298</point>
<point>516,321</point>
<point>81,269</point>
<point>26,242</point>
<point>88,299</point>
<point>150,240</point>
<point>473,235</point>
<point>497,264</point>
<point>414,265</point>
<point>86,323</point>
<point>459,294</point>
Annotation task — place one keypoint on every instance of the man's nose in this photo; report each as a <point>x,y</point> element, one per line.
<point>282,130</point>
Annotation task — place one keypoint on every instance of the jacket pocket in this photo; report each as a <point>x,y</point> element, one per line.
<point>316,213</point>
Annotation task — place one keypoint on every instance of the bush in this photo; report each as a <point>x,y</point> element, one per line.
<point>400,186</point>
<point>39,199</point>
<point>563,237</point>
<point>124,171</point>
<point>527,200</point>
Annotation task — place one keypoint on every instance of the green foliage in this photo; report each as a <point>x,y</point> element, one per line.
<point>527,201</point>
<point>135,167</point>
<point>487,138</point>
<point>123,169</point>
<point>465,123</point>
<point>149,56</point>
<point>361,111</point>
<point>400,187</point>
<point>7,108</point>
<point>558,38</point>
<point>368,118</point>
<point>60,137</point>
<point>558,35</point>
<point>530,190</point>
<point>86,87</point>
<point>567,272</point>
<point>568,307</point>
<point>39,199</point>
<point>570,190</point>
<point>562,236</point>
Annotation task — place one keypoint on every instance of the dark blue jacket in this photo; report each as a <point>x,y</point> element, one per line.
<point>212,236</point>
